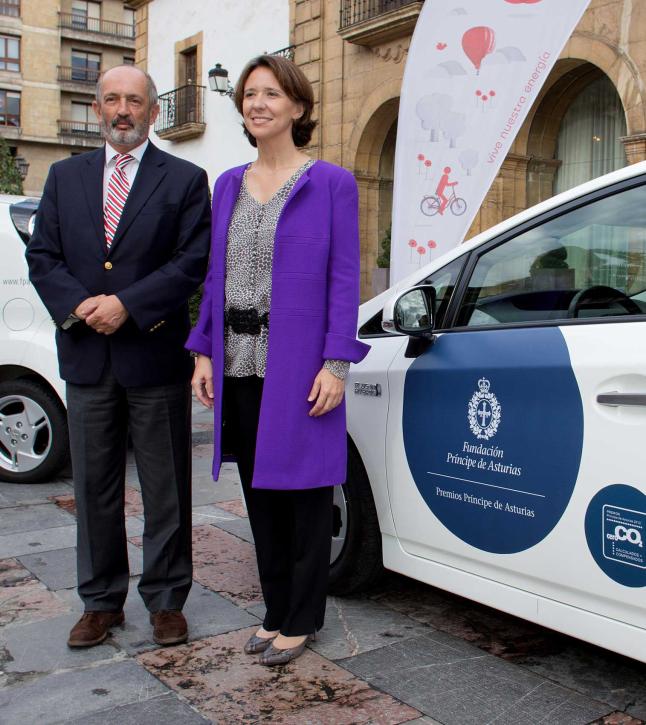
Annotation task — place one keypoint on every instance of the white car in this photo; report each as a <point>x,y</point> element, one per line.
<point>33,424</point>
<point>498,425</point>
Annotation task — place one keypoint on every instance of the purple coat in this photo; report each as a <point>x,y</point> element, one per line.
<point>313,317</point>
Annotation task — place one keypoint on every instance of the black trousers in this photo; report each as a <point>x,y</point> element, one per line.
<point>159,420</point>
<point>292,529</point>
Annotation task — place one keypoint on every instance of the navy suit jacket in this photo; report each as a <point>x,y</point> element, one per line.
<point>157,260</point>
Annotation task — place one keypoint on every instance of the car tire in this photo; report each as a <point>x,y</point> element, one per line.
<point>359,564</point>
<point>23,403</point>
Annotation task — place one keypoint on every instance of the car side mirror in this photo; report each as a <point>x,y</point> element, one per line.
<point>411,313</point>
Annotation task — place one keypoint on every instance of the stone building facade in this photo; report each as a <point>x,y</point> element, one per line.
<point>354,52</point>
<point>53,53</point>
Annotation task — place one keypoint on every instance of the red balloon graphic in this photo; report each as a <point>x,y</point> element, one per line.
<point>420,157</point>
<point>432,244</point>
<point>477,43</point>
<point>427,163</point>
<point>412,243</point>
<point>421,250</point>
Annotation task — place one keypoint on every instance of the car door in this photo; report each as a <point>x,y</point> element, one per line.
<point>515,447</point>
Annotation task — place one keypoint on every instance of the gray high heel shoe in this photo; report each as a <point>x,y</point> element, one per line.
<point>255,645</point>
<point>274,656</point>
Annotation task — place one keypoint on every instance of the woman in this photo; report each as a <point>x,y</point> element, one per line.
<point>276,334</point>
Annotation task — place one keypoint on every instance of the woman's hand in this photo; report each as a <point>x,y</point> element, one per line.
<point>202,381</point>
<point>327,391</point>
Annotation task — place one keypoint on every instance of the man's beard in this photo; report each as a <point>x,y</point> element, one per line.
<point>134,136</point>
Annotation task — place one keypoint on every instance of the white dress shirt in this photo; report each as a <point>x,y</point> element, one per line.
<point>131,168</point>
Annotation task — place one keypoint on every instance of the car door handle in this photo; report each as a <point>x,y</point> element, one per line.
<point>616,399</point>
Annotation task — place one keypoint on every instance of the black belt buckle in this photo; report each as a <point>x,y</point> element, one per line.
<point>247,322</point>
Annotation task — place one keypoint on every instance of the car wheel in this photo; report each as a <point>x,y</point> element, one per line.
<point>355,562</point>
<point>34,443</point>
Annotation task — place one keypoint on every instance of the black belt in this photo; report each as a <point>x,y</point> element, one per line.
<point>246,321</point>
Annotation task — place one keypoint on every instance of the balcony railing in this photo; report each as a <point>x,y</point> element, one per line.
<point>78,74</point>
<point>358,11</point>
<point>79,129</point>
<point>181,113</point>
<point>10,8</point>
<point>287,52</point>
<point>82,23</point>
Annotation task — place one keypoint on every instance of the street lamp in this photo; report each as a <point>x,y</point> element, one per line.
<point>219,81</point>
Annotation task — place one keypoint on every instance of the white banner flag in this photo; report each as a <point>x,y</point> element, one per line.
<point>473,71</point>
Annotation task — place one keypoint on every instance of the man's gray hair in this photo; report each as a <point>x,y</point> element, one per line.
<point>153,97</point>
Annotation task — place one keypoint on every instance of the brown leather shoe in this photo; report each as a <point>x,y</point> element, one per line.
<point>92,628</point>
<point>169,627</point>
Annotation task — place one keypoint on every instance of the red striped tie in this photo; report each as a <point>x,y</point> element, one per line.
<point>118,189</point>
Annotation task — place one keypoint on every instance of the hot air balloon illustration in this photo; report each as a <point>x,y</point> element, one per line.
<point>477,43</point>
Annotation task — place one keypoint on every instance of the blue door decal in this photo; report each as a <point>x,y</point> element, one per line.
<point>493,432</point>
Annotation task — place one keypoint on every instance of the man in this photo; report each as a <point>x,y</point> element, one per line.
<point>121,242</point>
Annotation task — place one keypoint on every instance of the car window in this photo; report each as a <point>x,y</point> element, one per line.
<point>590,262</point>
<point>444,281</point>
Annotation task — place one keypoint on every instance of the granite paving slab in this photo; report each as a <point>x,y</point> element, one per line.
<point>228,686</point>
<point>353,626</point>
<point>238,527</point>
<point>24,494</point>
<point>235,506</point>
<point>225,564</point>
<point>456,683</point>
<point>211,514</point>
<point>206,490</point>
<point>368,706</point>
<point>207,614</point>
<point>216,516</point>
<point>73,694</point>
<point>161,710</point>
<point>491,630</point>
<point>133,504</point>
<point>41,647</point>
<point>23,598</point>
<point>33,542</point>
<point>57,569</point>
<point>618,718</point>
<point>20,519</point>
<point>597,673</point>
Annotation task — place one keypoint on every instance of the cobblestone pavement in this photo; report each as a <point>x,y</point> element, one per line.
<point>403,653</point>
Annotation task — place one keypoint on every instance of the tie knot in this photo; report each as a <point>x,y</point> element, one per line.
<point>122,160</point>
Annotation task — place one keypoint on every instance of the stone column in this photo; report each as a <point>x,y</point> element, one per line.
<point>368,229</point>
<point>635,147</point>
<point>541,174</point>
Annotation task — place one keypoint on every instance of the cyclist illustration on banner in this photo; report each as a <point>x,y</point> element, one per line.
<point>432,205</point>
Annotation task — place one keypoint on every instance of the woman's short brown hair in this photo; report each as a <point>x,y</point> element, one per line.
<point>295,84</point>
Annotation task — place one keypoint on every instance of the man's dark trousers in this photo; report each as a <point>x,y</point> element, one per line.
<point>158,419</point>
<point>136,379</point>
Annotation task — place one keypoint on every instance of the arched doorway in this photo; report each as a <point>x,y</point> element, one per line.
<point>589,142</point>
<point>575,132</point>
<point>374,172</point>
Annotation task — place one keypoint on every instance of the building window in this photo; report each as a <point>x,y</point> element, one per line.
<point>86,67</point>
<point>588,143</point>
<point>9,108</point>
<point>129,16</point>
<point>9,53</point>
<point>86,15</point>
<point>82,114</point>
<point>128,60</point>
<point>10,7</point>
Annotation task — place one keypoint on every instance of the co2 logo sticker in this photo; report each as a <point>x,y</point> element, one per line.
<point>615,528</point>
